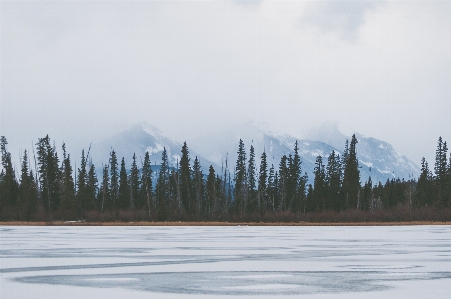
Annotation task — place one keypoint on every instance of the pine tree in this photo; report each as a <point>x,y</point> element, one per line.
<point>333,182</point>
<point>280,203</point>
<point>114,180</point>
<point>272,189</point>
<point>211,192</point>
<point>252,184</point>
<point>240,179</point>
<point>82,179</point>
<point>8,182</point>
<point>162,187</point>
<point>104,192</point>
<point>424,186</point>
<point>124,188</point>
<point>67,186</point>
<point>319,190</point>
<point>296,190</point>
<point>262,196</point>
<point>28,193</point>
<point>92,188</point>
<point>134,185</point>
<point>440,171</point>
<point>351,177</point>
<point>48,170</point>
<point>198,187</point>
<point>146,183</point>
<point>185,180</point>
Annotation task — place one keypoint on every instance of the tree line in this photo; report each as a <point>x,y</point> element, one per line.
<point>53,190</point>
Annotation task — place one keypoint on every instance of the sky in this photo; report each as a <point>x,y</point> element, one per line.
<point>83,70</point>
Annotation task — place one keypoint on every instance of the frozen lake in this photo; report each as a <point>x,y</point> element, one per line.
<point>225,262</point>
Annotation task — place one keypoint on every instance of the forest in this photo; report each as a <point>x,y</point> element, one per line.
<point>49,189</point>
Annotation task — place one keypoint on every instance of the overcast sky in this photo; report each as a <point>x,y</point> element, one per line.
<point>81,70</point>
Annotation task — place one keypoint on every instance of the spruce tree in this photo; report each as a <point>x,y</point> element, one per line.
<point>162,187</point>
<point>124,188</point>
<point>280,203</point>
<point>351,177</point>
<point>252,184</point>
<point>146,184</point>
<point>8,182</point>
<point>92,188</point>
<point>440,172</point>
<point>272,189</point>
<point>104,194</point>
<point>134,185</point>
<point>185,180</point>
<point>319,190</point>
<point>240,179</point>
<point>28,193</point>
<point>67,186</point>
<point>82,179</point>
<point>423,194</point>
<point>114,180</point>
<point>262,196</point>
<point>198,187</point>
<point>295,190</point>
<point>333,182</point>
<point>211,192</point>
<point>49,172</point>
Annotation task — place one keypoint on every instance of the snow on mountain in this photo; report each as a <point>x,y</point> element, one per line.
<point>217,147</point>
<point>377,158</point>
<point>139,139</point>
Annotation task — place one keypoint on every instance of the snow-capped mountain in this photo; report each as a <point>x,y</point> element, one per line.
<point>376,158</point>
<point>139,139</point>
<point>217,147</point>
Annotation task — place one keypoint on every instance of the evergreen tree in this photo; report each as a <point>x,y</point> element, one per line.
<point>367,195</point>
<point>104,193</point>
<point>8,182</point>
<point>82,179</point>
<point>67,186</point>
<point>440,172</point>
<point>319,190</point>
<point>240,179</point>
<point>114,180</point>
<point>211,192</point>
<point>146,184</point>
<point>252,183</point>
<point>262,196</point>
<point>280,202</point>
<point>28,193</point>
<point>124,188</point>
<point>198,187</point>
<point>162,187</point>
<point>185,180</point>
<point>48,170</point>
<point>134,185</point>
<point>351,177</point>
<point>333,182</point>
<point>424,188</point>
<point>296,187</point>
<point>272,189</point>
<point>92,189</point>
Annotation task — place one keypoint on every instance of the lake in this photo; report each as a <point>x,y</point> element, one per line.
<point>225,262</point>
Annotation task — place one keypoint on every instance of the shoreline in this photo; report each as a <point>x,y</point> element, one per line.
<point>179,223</point>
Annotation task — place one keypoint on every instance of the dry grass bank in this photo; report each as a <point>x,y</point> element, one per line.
<point>71,223</point>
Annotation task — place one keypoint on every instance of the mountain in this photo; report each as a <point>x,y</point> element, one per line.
<point>216,147</point>
<point>377,158</point>
<point>142,138</point>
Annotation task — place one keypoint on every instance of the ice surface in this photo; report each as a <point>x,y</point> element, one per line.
<point>225,262</point>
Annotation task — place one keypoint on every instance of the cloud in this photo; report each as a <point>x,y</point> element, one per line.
<point>342,17</point>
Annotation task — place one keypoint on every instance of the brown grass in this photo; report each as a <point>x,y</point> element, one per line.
<point>144,223</point>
